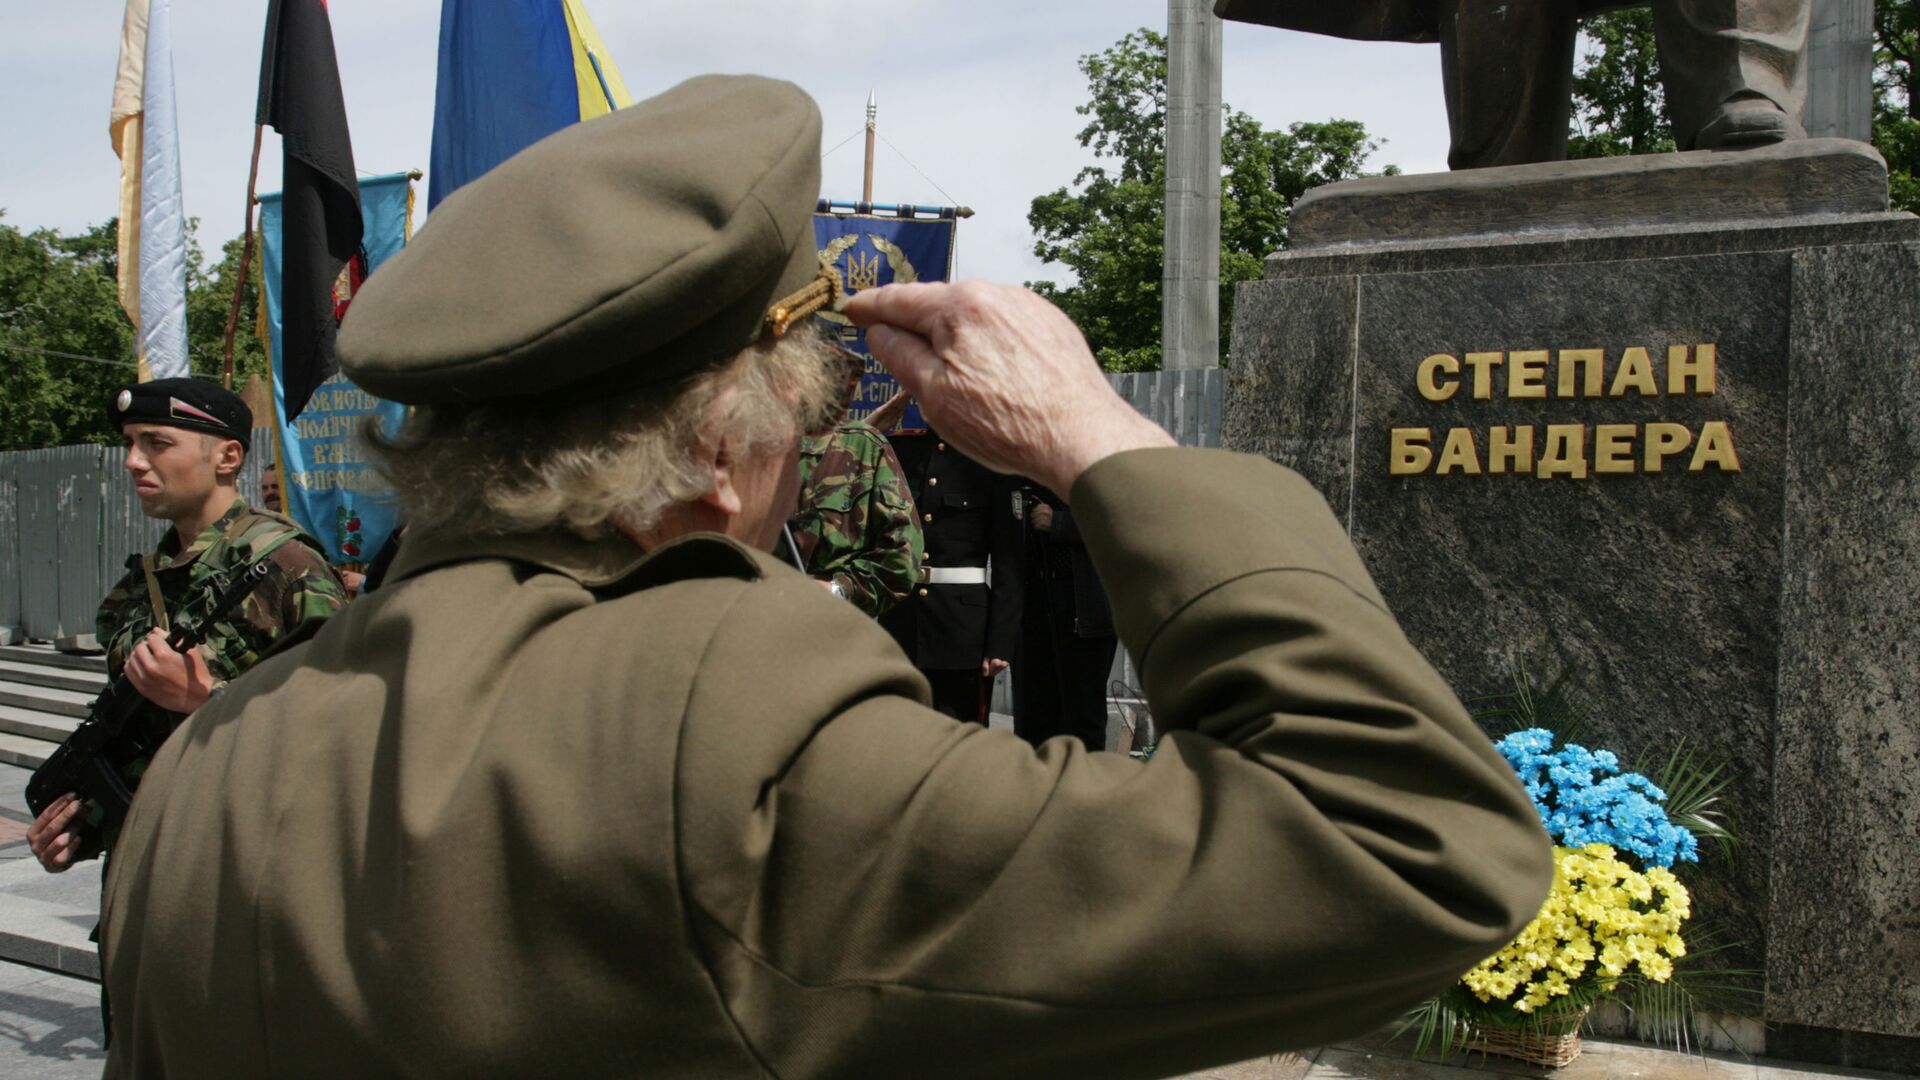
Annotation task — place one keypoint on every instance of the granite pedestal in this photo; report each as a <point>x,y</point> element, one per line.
<point>1754,596</point>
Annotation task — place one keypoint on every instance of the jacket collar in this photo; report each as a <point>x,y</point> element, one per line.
<point>208,537</point>
<point>612,563</point>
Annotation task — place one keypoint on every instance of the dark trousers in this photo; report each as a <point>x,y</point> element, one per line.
<point>1508,70</point>
<point>1060,684</point>
<point>959,694</point>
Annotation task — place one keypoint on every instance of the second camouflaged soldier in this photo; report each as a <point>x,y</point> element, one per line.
<point>856,531</point>
<point>185,442</point>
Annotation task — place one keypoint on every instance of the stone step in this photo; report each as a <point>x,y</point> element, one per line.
<point>45,918</point>
<point>24,751</point>
<point>48,656</point>
<point>34,724</point>
<point>45,698</point>
<point>34,674</point>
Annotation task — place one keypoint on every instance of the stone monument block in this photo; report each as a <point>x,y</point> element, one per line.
<point>1677,451</point>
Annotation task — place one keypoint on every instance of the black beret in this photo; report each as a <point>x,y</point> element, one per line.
<point>619,252</point>
<point>183,403</point>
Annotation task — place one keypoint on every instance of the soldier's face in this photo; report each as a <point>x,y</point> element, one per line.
<point>174,471</point>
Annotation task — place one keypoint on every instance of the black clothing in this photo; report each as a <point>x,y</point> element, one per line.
<point>1067,639</point>
<point>967,515</point>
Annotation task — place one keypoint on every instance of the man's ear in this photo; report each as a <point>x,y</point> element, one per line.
<point>228,456</point>
<point>722,496</point>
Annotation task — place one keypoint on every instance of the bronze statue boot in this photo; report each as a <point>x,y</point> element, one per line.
<point>1744,122</point>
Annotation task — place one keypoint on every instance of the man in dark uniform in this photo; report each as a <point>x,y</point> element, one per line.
<point>961,623</point>
<point>185,442</point>
<point>1067,638</point>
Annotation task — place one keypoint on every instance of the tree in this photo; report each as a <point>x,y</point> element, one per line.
<point>1896,97</point>
<point>1619,104</point>
<point>1109,228</point>
<point>61,331</point>
<point>65,343</point>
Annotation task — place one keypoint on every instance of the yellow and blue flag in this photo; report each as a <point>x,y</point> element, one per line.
<point>511,73</point>
<point>153,222</point>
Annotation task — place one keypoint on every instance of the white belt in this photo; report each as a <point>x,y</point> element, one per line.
<point>953,575</point>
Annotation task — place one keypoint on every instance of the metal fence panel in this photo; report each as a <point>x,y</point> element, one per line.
<point>9,542</point>
<point>78,537</point>
<point>1189,404</point>
<point>39,543</point>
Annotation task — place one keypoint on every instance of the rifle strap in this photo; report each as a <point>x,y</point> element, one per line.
<point>158,601</point>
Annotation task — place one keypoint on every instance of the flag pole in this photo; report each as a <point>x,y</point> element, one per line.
<point>246,258</point>
<point>866,188</point>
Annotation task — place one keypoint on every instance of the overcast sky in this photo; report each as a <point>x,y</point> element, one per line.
<point>980,95</point>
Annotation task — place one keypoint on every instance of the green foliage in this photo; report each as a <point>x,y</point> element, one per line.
<point>65,343</point>
<point>58,301</point>
<point>1896,97</point>
<point>1109,227</point>
<point>1619,104</point>
<point>1560,706</point>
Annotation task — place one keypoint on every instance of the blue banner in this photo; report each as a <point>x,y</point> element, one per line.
<point>329,486</point>
<point>871,251</point>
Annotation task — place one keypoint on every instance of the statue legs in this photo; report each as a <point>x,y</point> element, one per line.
<point>1734,70</point>
<point>1508,70</point>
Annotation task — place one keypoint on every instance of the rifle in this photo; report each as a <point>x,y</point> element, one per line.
<point>91,761</point>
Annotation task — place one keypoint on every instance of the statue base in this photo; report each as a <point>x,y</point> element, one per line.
<point>1653,419</point>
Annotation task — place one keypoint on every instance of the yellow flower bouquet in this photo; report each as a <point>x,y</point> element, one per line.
<point>1611,925</point>
<point>1602,919</point>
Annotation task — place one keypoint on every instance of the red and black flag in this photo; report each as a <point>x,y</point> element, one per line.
<point>300,97</point>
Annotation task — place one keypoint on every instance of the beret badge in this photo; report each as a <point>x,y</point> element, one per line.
<point>124,401</point>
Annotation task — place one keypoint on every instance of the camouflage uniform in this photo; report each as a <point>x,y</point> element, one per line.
<point>302,586</point>
<point>856,526</point>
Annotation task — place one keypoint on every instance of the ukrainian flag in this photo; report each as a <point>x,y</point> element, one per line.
<point>511,73</point>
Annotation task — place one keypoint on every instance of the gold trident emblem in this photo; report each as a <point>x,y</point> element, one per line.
<point>863,271</point>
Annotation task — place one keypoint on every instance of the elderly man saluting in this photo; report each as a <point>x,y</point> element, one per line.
<point>596,786</point>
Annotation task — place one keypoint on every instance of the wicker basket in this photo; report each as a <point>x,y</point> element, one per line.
<point>1554,1041</point>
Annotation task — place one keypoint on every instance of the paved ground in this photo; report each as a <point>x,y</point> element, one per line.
<point>49,1026</point>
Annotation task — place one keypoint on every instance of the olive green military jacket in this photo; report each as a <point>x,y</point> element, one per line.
<point>544,807</point>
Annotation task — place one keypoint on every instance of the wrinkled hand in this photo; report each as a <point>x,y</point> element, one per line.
<point>992,666</point>
<point>887,417</point>
<point>175,681</point>
<point>55,835</point>
<point>1041,516</point>
<point>1002,374</point>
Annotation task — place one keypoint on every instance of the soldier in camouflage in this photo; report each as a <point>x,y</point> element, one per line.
<point>185,444</point>
<point>856,530</point>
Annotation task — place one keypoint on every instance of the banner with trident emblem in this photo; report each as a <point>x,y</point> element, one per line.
<point>871,251</point>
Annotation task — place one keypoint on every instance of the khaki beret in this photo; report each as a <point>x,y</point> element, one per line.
<point>616,253</point>
<point>192,404</point>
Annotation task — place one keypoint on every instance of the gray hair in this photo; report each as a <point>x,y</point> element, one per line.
<point>503,467</point>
